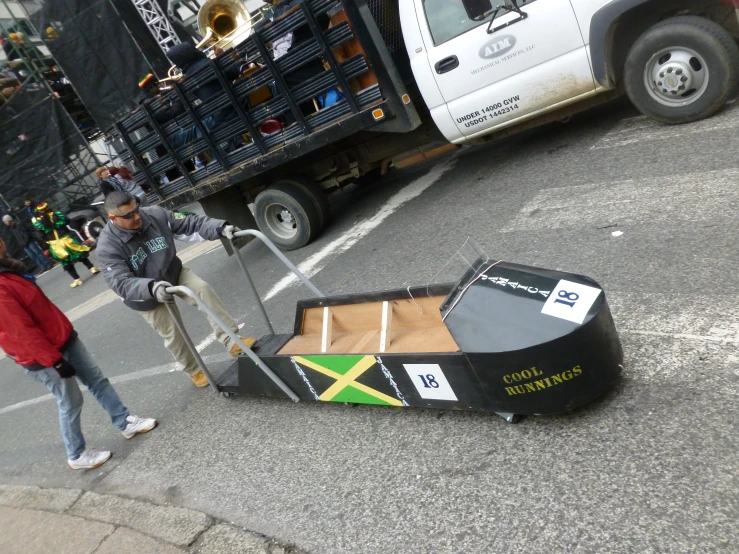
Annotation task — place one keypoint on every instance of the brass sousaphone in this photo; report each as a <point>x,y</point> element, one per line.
<point>225,23</point>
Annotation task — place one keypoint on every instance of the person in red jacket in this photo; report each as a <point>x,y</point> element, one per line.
<point>38,336</point>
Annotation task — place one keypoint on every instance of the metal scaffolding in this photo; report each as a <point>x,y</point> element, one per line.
<point>157,22</point>
<point>188,23</point>
<point>73,183</point>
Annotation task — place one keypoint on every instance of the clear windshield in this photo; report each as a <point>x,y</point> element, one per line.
<point>465,264</point>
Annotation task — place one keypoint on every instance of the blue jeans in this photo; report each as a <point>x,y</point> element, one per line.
<point>69,397</point>
<point>34,252</point>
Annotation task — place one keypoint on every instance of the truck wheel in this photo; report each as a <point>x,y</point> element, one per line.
<point>287,216</point>
<point>682,69</point>
<point>316,195</point>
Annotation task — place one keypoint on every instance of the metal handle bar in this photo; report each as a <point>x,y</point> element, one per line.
<point>271,245</point>
<point>234,337</point>
<point>174,312</point>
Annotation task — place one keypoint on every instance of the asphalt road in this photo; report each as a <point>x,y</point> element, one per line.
<point>650,467</point>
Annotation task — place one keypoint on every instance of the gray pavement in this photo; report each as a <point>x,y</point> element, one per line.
<point>650,467</point>
<point>71,521</point>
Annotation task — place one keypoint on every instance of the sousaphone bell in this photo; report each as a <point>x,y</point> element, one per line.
<point>225,23</point>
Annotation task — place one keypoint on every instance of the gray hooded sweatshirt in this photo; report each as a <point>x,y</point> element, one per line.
<point>132,261</point>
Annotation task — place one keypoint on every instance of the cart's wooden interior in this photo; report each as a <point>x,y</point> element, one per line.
<point>373,327</point>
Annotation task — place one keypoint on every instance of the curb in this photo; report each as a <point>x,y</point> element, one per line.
<point>128,525</point>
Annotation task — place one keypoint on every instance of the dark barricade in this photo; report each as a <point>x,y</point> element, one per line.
<point>98,48</point>
<point>43,156</point>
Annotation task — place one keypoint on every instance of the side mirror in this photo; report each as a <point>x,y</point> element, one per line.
<point>476,9</point>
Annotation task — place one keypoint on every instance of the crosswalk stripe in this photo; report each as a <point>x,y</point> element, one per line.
<point>706,317</point>
<point>703,196</point>
<point>690,347</point>
<point>641,129</point>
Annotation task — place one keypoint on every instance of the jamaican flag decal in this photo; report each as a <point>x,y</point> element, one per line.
<point>343,372</point>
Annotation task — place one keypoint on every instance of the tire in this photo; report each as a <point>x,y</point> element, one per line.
<point>316,195</point>
<point>94,228</point>
<point>698,64</point>
<point>287,216</point>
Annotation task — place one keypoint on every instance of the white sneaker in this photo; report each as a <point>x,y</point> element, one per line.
<point>138,425</point>
<point>90,459</point>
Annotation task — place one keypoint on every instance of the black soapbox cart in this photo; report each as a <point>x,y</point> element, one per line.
<point>506,338</point>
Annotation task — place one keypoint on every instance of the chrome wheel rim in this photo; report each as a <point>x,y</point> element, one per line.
<point>676,76</point>
<point>281,221</point>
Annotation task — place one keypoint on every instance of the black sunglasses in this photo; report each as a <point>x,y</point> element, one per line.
<point>130,214</point>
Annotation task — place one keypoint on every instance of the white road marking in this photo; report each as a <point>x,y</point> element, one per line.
<point>198,250</point>
<point>700,317</point>
<point>685,338</point>
<point>313,264</point>
<point>210,339</point>
<point>150,372</point>
<point>206,342</point>
<point>703,196</point>
<point>641,129</point>
<point>89,306</point>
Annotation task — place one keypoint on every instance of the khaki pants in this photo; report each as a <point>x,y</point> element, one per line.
<point>163,323</point>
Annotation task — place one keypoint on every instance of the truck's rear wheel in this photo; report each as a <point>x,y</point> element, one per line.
<point>287,216</point>
<point>682,69</point>
<point>316,196</point>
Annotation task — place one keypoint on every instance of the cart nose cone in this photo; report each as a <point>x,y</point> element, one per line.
<point>508,307</point>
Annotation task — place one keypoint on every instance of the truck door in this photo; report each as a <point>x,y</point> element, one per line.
<point>493,78</point>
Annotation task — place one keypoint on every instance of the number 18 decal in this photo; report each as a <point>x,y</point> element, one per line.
<point>430,381</point>
<point>570,301</point>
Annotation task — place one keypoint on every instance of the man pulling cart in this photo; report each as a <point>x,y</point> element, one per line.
<point>139,260</point>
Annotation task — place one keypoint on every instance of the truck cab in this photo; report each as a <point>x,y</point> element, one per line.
<point>480,75</point>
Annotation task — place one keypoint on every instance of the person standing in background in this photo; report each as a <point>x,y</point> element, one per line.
<point>25,241</point>
<point>120,178</point>
<point>7,44</point>
<point>63,247</point>
<point>29,208</point>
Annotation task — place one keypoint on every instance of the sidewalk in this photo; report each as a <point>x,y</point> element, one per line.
<point>38,521</point>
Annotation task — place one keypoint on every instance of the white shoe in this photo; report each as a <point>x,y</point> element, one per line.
<point>90,459</point>
<point>138,425</point>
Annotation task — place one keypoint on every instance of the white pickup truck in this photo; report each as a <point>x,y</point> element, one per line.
<point>483,66</point>
<point>411,79</point>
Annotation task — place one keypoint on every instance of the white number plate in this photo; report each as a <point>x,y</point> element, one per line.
<point>430,381</point>
<point>570,301</point>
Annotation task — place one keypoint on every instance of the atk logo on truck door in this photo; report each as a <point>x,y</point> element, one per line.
<point>497,47</point>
